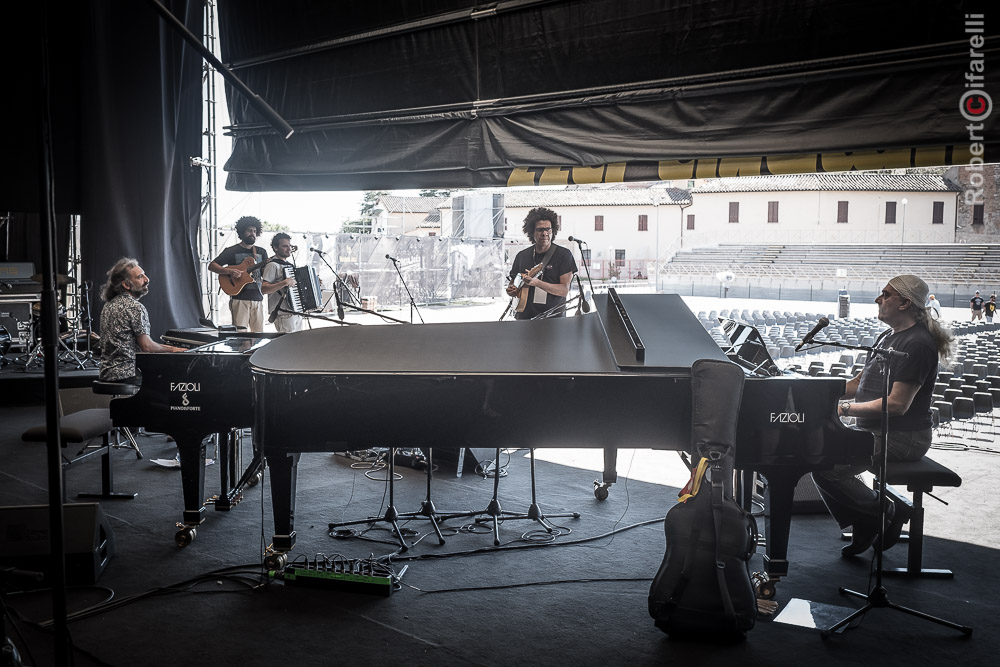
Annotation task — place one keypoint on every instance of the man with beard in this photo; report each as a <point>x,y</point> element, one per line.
<point>549,287</point>
<point>125,323</point>
<point>247,307</point>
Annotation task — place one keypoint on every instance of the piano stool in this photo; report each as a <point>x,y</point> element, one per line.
<point>116,389</point>
<point>80,428</point>
<point>919,477</point>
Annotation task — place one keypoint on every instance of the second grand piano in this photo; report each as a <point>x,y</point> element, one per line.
<point>617,378</point>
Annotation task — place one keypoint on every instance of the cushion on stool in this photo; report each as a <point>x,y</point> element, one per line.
<point>923,474</point>
<point>78,427</point>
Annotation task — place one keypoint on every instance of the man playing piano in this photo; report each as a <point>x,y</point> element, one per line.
<point>550,283</point>
<point>247,306</point>
<point>125,323</point>
<point>275,285</point>
<point>911,383</point>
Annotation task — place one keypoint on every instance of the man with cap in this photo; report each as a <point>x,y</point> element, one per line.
<point>976,303</point>
<point>911,384</point>
<point>246,307</point>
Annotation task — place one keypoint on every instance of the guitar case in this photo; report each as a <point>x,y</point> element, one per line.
<point>703,589</point>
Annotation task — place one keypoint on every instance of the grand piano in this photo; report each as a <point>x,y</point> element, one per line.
<point>191,395</point>
<point>619,377</point>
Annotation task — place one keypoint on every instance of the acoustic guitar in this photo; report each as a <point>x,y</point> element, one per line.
<point>522,289</point>
<point>233,286</point>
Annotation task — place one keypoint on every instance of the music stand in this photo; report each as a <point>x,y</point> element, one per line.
<point>878,596</point>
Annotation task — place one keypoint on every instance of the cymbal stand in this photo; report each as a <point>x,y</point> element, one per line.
<point>496,514</point>
<point>391,516</point>
<point>878,596</point>
<point>84,318</point>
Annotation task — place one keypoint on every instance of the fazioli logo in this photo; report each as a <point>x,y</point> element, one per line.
<point>185,386</point>
<point>788,417</point>
<point>184,399</point>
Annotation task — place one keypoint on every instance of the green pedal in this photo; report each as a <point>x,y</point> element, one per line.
<point>354,583</point>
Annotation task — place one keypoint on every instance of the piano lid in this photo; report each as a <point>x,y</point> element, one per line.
<point>556,346</point>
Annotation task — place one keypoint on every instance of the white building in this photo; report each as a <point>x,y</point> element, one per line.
<point>408,216</point>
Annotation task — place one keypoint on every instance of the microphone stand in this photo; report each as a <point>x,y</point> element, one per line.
<point>586,266</point>
<point>413,304</point>
<point>878,596</point>
<point>336,296</point>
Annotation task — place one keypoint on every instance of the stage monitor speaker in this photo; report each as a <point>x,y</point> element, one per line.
<point>89,542</point>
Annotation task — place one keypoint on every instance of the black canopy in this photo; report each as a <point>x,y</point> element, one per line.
<point>453,93</point>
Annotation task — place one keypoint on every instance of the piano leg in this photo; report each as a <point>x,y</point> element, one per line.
<point>610,474</point>
<point>284,471</point>
<point>778,520</point>
<point>191,450</point>
<point>228,454</point>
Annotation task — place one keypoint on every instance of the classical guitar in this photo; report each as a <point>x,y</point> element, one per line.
<point>522,289</point>
<point>233,286</point>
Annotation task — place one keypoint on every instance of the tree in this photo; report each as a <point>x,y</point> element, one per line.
<point>356,227</point>
<point>368,210</point>
<point>435,193</point>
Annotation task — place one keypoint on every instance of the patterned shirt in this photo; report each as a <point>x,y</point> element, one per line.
<point>123,320</point>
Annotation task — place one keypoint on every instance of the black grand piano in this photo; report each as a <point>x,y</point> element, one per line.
<point>190,396</point>
<point>616,378</point>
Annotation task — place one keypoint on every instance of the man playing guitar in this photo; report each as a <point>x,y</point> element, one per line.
<point>239,268</point>
<point>547,286</point>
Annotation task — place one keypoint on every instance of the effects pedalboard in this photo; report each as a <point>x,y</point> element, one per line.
<point>355,576</point>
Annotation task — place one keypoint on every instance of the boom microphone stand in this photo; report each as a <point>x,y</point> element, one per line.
<point>878,596</point>
<point>413,304</point>
<point>340,304</point>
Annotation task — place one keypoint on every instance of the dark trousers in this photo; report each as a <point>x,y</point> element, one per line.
<point>847,496</point>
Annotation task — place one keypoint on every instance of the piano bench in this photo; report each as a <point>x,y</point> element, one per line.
<point>119,389</point>
<point>80,428</point>
<point>919,477</point>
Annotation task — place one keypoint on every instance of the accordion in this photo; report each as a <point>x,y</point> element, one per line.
<point>305,295</point>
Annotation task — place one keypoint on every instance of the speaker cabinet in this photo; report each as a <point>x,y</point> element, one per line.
<point>89,541</point>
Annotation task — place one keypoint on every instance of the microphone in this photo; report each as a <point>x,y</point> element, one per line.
<point>393,259</point>
<point>294,248</point>
<point>578,240</point>
<point>317,250</point>
<point>822,324</point>
<point>584,306</point>
<point>340,311</point>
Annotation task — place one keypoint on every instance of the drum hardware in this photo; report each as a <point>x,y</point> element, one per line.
<point>5,341</point>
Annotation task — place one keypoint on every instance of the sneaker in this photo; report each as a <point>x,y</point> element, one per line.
<point>864,535</point>
<point>898,517</point>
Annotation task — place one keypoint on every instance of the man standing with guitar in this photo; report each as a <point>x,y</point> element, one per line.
<point>545,269</point>
<point>239,268</point>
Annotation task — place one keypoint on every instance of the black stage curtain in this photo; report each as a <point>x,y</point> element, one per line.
<point>126,101</point>
<point>456,93</point>
<point>142,117</point>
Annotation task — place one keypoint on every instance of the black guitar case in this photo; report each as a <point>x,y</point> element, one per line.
<point>703,588</point>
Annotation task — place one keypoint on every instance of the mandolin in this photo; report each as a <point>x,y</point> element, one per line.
<point>233,286</point>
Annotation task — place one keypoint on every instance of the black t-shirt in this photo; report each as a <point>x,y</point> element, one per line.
<point>976,302</point>
<point>990,307</point>
<point>920,367</point>
<point>235,254</point>
<point>560,263</point>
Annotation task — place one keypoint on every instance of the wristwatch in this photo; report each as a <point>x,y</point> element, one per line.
<point>845,407</point>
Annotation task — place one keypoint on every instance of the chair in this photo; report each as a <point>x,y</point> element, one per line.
<point>82,427</point>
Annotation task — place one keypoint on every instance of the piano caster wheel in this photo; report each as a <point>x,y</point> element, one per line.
<point>764,588</point>
<point>185,536</point>
<point>276,561</point>
<point>601,490</point>
<point>256,479</point>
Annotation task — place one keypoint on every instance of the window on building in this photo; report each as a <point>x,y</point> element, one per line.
<point>977,214</point>
<point>890,213</point>
<point>585,255</point>
<point>432,233</point>
<point>937,217</point>
<point>643,223</point>
<point>620,257</point>
<point>690,224</point>
<point>842,211</point>
<point>772,211</point>
<point>598,223</point>
<point>734,211</point>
